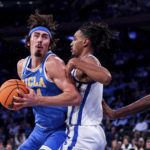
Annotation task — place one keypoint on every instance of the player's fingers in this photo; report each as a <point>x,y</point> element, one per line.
<point>16,98</point>
<point>68,70</point>
<point>30,90</point>
<point>18,105</point>
<point>20,93</point>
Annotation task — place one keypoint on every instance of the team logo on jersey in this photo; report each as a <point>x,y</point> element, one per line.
<point>32,81</point>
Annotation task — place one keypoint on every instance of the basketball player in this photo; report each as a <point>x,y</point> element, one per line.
<point>83,122</point>
<point>44,73</point>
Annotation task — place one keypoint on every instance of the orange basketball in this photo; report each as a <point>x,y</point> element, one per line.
<point>9,89</point>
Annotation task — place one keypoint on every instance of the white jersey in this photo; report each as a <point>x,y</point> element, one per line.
<point>83,122</point>
<point>90,111</point>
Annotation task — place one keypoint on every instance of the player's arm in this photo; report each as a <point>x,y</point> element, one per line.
<point>139,106</point>
<point>57,73</point>
<point>91,68</point>
<point>55,70</point>
<point>108,111</point>
<point>20,67</point>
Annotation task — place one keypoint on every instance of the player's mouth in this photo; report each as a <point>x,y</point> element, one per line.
<point>39,46</point>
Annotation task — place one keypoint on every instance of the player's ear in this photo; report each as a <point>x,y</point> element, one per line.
<point>28,44</point>
<point>86,42</point>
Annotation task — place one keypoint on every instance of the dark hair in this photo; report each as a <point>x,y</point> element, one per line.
<point>45,21</point>
<point>98,33</point>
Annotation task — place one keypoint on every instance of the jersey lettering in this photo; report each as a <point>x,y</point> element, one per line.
<point>31,81</point>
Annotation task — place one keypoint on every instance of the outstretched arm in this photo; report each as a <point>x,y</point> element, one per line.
<point>139,106</point>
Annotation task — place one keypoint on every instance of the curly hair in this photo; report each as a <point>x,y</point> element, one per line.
<point>45,21</point>
<point>98,33</point>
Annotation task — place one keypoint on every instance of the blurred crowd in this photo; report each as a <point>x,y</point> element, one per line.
<point>127,60</point>
<point>79,10</point>
<point>74,11</point>
<point>15,127</point>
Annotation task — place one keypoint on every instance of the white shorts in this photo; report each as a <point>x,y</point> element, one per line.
<point>84,138</point>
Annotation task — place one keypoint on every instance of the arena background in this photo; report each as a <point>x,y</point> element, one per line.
<point>128,59</point>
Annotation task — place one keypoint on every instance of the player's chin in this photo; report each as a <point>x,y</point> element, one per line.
<point>73,54</point>
<point>38,54</point>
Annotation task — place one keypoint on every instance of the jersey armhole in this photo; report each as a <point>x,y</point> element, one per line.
<point>23,67</point>
<point>48,79</point>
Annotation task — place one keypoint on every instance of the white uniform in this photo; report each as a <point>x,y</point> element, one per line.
<point>83,122</point>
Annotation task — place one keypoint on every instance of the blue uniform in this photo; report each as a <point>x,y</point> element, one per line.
<point>49,131</point>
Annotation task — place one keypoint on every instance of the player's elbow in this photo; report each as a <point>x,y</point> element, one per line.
<point>107,79</point>
<point>76,99</point>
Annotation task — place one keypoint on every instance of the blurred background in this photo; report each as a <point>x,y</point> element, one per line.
<point>128,60</point>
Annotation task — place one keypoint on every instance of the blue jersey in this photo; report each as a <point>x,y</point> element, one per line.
<point>46,116</point>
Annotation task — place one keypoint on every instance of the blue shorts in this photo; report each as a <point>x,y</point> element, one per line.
<point>44,139</point>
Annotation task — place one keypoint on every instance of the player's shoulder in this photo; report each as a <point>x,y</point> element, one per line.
<point>54,66</point>
<point>21,61</point>
<point>20,66</point>
<point>91,59</point>
<point>54,60</point>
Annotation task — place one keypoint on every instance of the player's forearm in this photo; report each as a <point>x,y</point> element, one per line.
<point>108,111</point>
<point>64,99</point>
<point>97,73</point>
<point>139,106</point>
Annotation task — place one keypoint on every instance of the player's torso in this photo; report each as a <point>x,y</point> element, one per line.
<point>90,111</point>
<point>37,80</point>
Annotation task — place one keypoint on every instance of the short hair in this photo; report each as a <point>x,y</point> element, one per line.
<point>98,33</point>
<point>45,21</point>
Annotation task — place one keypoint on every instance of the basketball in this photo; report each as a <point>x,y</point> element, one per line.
<point>9,89</point>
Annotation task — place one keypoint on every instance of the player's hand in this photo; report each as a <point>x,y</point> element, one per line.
<point>25,100</point>
<point>70,65</point>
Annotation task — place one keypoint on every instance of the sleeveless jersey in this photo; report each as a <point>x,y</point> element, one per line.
<point>90,111</point>
<point>45,116</point>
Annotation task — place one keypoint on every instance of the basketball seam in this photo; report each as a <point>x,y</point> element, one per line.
<point>9,95</point>
<point>10,86</point>
<point>11,92</point>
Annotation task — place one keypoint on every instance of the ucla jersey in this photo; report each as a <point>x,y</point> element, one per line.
<point>90,111</point>
<point>45,116</point>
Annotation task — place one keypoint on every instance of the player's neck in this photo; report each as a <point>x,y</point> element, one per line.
<point>36,61</point>
<point>85,52</point>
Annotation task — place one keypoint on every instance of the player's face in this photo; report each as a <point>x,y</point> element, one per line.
<point>77,44</point>
<point>39,43</point>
